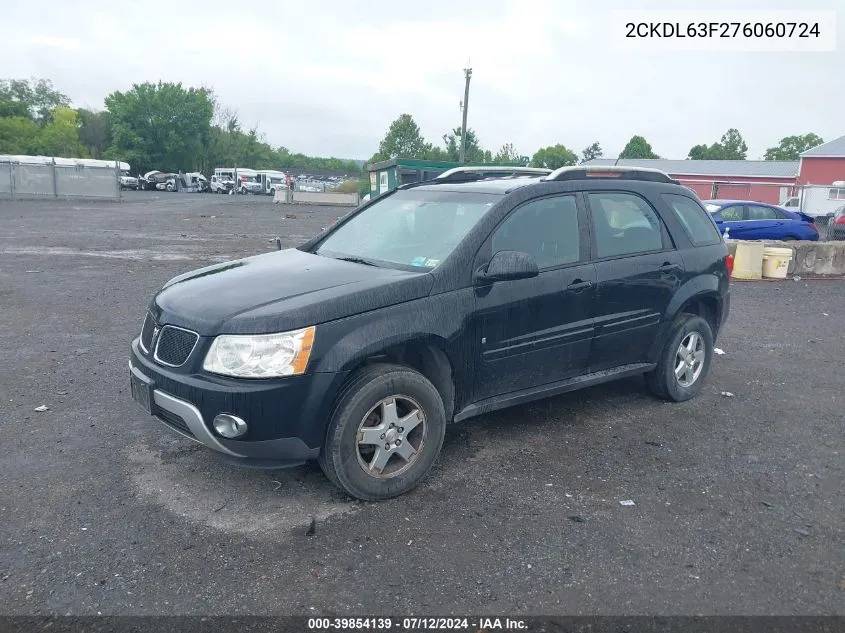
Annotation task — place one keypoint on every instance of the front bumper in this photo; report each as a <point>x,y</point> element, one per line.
<point>286,418</point>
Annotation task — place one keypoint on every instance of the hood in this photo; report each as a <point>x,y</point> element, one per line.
<point>280,291</point>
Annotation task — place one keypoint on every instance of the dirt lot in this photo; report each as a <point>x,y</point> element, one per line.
<point>739,503</point>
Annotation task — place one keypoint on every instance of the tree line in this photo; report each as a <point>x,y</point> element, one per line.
<point>171,127</point>
<point>404,140</point>
<point>163,126</point>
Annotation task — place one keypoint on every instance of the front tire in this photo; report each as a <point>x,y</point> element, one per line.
<point>385,433</point>
<point>684,361</point>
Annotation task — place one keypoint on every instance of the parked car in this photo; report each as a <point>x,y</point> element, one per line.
<point>250,184</point>
<point>221,184</point>
<point>158,180</point>
<point>836,228</point>
<point>431,304</point>
<point>747,220</point>
<point>128,182</point>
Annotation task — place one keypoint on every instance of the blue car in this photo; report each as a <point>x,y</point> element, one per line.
<point>747,220</point>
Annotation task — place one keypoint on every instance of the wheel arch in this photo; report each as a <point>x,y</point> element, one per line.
<point>699,296</point>
<point>426,354</point>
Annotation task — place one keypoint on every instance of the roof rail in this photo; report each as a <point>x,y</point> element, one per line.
<point>470,172</point>
<point>582,172</point>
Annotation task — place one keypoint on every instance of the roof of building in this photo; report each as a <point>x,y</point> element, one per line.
<point>731,168</point>
<point>433,165</point>
<point>836,147</point>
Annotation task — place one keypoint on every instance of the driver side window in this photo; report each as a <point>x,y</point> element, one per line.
<point>546,228</point>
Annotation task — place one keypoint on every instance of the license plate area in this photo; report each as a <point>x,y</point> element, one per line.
<point>142,389</point>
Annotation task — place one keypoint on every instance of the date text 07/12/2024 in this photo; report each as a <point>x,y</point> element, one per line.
<point>417,624</point>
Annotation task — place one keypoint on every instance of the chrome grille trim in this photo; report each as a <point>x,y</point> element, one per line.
<point>158,343</point>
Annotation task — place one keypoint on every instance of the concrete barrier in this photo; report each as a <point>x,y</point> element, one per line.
<point>810,258</point>
<point>325,198</point>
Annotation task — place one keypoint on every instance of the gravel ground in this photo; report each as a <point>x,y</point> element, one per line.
<point>739,502</point>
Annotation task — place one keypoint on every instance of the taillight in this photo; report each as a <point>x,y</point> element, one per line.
<point>840,220</point>
<point>729,262</point>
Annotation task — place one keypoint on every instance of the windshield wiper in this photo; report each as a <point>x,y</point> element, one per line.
<point>358,260</point>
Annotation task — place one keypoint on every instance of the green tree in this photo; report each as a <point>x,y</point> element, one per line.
<point>508,154</point>
<point>731,147</point>
<point>638,147</point>
<point>36,98</point>
<point>791,147</point>
<point>591,152</point>
<point>94,131</point>
<point>702,152</point>
<point>734,145</point>
<point>402,140</point>
<point>553,157</point>
<point>161,126</point>
<point>60,137</point>
<point>473,151</point>
<point>18,135</point>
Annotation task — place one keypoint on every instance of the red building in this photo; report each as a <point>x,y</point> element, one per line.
<point>823,165</point>
<point>761,180</point>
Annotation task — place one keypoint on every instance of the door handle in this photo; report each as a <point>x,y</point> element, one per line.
<point>669,266</point>
<point>579,284</point>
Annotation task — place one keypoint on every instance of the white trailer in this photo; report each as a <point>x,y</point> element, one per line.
<point>818,200</point>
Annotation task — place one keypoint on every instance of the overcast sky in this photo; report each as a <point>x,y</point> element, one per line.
<point>327,77</point>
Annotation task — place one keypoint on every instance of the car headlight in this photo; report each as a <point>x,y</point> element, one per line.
<point>260,355</point>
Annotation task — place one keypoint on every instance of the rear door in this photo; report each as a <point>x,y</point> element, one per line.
<point>536,331</point>
<point>638,271</point>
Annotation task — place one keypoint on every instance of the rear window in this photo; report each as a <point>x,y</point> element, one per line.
<point>696,222</point>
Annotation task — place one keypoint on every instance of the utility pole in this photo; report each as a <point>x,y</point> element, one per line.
<point>464,106</point>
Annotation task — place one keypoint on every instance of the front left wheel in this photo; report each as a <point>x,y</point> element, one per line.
<point>385,433</point>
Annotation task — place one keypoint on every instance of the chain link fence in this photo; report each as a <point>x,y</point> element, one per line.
<point>20,180</point>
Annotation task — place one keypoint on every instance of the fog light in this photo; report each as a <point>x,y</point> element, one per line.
<point>229,425</point>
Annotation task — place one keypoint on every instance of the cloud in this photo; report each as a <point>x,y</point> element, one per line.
<point>329,79</point>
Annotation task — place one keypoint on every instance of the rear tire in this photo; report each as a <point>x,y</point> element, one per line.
<point>680,374</point>
<point>353,457</point>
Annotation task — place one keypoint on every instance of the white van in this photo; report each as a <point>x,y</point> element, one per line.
<point>246,181</point>
<point>270,180</point>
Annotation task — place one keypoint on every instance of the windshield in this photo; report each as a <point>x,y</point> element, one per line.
<point>413,229</point>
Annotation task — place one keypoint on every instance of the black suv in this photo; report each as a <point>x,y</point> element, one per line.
<point>439,301</point>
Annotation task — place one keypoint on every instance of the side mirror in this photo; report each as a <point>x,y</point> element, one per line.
<point>508,266</point>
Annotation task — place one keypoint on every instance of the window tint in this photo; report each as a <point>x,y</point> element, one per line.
<point>546,228</point>
<point>756,212</point>
<point>697,223</point>
<point>733,214</point>
<point>624,224</point>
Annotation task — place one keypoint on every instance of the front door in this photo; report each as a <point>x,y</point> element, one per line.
<point>536,331</point>
<point>638,271</point>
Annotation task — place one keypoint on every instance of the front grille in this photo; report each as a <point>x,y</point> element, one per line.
<point>174,421</point>
<point>174,345</point>
<point>147,332</point>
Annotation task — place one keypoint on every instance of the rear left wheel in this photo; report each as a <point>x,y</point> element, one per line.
<point>684,361</point>
<point>385,433</point>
